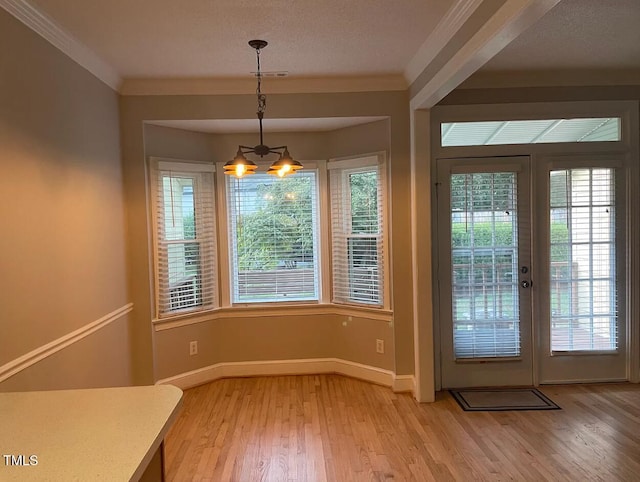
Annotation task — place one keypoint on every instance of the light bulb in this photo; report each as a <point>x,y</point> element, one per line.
<point>284,170</point>
<point>240,170</point>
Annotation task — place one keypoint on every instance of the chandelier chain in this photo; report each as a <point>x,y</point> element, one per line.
<point>262,99</point>
<point>240,166</point>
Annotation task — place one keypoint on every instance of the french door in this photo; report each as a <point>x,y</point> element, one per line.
<point>504,321</point>
<point>484,272</point>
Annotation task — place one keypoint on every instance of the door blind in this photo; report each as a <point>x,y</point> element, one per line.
<point>582,267</point>
<point>484,255</point>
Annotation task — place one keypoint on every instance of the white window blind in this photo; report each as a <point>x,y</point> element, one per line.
<point>273,237</point>
<point>357,227</point>
<point>185,261</point>
<point>484,255</point>
<point>583,293</point>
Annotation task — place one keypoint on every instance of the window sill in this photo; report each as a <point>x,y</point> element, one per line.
<point>261,311</point>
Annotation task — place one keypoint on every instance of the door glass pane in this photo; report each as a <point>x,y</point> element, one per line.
<point>583,275</point>
<point>484,253</point>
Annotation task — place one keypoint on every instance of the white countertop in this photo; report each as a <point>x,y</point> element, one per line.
<point>94,434</point>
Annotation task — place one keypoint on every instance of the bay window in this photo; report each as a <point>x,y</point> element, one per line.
<point>270,228</point>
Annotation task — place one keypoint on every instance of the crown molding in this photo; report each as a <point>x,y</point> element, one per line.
<point>452,21</point>
<point>287,85</point>
<point>53,33</point>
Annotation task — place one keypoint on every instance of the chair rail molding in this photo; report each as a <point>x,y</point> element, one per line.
<point>34,356</point>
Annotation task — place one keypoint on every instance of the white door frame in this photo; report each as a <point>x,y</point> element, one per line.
<point>429,356</point>
<point>492,371</point>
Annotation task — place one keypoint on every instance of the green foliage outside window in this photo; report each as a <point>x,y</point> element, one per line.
<point>280,230</point>
<point>483,236</point>
<point>364,202</point>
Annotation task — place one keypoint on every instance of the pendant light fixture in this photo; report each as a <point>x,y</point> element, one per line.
<point>240,166</point>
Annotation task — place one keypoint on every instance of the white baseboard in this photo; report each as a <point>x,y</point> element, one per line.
<point>25,361</point>
<point>404,383</point>
<point>307,366</point>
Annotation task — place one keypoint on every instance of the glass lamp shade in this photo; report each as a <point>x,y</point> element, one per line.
<point>284,166</point>
<point>240,166</point>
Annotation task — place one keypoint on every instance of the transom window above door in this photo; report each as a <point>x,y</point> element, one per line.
<point>541,131</point>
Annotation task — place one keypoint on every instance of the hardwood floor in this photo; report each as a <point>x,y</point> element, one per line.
<point>330,427</point>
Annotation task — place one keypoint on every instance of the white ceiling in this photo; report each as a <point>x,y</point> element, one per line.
<point>208,38</point>
<point>577,34</point>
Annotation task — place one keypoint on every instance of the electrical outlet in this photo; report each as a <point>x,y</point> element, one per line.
<point>380,346</point>
<point>193,348</point>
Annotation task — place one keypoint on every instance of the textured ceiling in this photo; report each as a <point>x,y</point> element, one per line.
<point>577,34</point>
<point>208,38</point>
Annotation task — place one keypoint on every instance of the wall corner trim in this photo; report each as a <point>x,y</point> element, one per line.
<point>306,366</point>
<point>53,33</point>
<point>25,361</point>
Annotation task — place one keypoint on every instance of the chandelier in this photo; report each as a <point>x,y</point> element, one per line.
<point>240,166</point>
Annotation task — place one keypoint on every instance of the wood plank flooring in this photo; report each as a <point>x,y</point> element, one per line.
<point>334,428</point>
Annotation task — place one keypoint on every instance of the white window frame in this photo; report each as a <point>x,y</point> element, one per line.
<point>225,238</point>
<point>193,170</point>
<point>344,167</point>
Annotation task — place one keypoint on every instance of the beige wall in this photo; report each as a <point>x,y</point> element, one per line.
<point>359,139</point>
<point>288,337</point>
<point>62,249</point>
<point>276,337</point>
<point>177,144</point>
<point>304,146</point>
<point>99,360</point>
<point>285,336</point>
